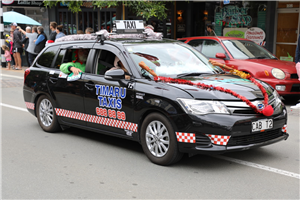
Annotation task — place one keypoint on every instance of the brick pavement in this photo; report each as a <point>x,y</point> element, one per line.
<point>6,82</point>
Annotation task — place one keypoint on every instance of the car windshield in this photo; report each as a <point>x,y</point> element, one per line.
<point>170,59</point>
<point>242,49</point>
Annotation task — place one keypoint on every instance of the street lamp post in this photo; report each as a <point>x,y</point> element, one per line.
<point>2,41</point>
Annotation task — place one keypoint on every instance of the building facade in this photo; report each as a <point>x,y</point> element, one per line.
<point>272,24</point>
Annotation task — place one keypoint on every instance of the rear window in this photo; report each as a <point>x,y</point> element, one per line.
<point>47,57</point>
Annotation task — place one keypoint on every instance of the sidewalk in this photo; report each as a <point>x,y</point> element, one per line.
<point>11,78</point>
<point>13,70</point>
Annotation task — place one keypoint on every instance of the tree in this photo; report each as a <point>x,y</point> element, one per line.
<point>143,8</point>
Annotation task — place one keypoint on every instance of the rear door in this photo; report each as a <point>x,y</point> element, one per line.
<point>67,94</point>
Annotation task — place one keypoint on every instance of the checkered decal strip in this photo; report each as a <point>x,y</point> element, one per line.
<point>218,139</point>
<point>29,105</point>
<point>284,129</point>
<point>186,137</point>
<point>96,119</point>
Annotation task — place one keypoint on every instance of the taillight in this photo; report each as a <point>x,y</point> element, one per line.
<point>27,71</point>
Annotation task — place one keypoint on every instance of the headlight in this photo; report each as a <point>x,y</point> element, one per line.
<point>277,98</point>
<point>191,106</point>
<point>278,73</point>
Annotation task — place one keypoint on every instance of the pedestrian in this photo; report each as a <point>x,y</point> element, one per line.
<point>11,38</point>
<point>17,46</point>
<point>89,30</point>
<point>7,56</point>
<point>80,32</point>
<point>59,32</point>
<point>297,57</point>
<point>40,42</point>
<point>209,30</point>
<point>53,33</point>
<point>31,44</point>
<point>25,42</point>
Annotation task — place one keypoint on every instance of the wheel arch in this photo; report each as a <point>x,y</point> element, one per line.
<point>36,98</point>
<point>148,112</point>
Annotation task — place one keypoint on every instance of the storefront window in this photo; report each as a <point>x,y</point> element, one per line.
<point>242,19</point>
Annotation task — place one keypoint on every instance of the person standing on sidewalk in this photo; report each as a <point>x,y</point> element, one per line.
<point>297,57</point>
<point>31,45</point>
<point>53,33</point>
<point>7,56</point>
<point>59,32</point>
<point>17,46</point>
<point>25,41</point>
<point>40,42</point>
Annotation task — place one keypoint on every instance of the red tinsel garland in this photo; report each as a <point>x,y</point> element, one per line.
<point>267,111</point>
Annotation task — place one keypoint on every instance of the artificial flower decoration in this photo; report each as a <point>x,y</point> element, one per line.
<point>267,111</point>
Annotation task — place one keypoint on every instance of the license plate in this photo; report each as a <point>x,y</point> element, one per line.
<point>262,125</point>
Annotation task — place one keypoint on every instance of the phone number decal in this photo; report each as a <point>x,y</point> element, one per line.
<point>120,115</point>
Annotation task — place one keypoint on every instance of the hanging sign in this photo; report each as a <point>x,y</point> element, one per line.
<point>23,3</point>
<point>226,2</point>
<point>255,34</point>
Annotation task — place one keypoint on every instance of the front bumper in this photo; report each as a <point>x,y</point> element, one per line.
<point>292,86</point>
<point>235,130</point>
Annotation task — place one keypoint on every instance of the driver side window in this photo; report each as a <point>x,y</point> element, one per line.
<point>211,47</point>
<point>107,60</point>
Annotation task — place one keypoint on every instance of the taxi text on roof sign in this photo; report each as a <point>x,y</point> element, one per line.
<point>129,26</point>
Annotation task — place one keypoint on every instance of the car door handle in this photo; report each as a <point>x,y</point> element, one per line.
<point>53,80</point>
<point>89,86</point>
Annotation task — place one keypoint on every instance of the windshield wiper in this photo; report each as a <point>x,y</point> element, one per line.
<point>192,74</point>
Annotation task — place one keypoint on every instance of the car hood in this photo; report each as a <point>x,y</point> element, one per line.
<point>286,66</point>
<point>241,86</point>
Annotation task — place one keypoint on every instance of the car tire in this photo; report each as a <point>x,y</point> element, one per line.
<point>46,115</point>
<point>158,140</point>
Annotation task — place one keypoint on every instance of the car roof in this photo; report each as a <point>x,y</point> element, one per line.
<point>212,37</point>
<point>118,41</point>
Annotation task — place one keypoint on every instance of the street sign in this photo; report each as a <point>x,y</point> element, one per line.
<point>226,2</point>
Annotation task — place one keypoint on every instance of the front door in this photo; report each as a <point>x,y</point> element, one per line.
<point>109,104</point>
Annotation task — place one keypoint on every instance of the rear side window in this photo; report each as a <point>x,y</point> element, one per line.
<point>47,57</point>
<point>196,44</point>
<point>211,47</point>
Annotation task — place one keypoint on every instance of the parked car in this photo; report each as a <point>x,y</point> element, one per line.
<point>168,119</point>
<point>247,56</point>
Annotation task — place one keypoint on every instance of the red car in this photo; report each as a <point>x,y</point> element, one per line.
<point>247,56</point>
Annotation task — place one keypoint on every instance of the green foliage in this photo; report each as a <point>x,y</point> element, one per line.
<point>145,9</point>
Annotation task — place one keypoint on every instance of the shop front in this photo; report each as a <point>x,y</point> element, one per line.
<point>88,17</point>
<point>274,25</point>
<point>243,19</point>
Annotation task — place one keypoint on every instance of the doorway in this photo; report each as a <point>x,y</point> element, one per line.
<point>287,32</point>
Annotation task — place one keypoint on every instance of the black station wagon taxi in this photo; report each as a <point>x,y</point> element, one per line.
<point>190,107</point>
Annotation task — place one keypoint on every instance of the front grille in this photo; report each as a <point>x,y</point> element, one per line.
<point>254,138</point>
<point>295,88</point>
<point>202,140</point>
<point>239,107</point>
<point>294,76</point>
<point>247,112</point>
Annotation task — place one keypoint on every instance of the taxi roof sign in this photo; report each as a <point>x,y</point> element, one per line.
<point>128,26</point>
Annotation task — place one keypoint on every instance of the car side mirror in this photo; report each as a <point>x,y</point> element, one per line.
<point>220,55</point>
<point>114,75</point>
